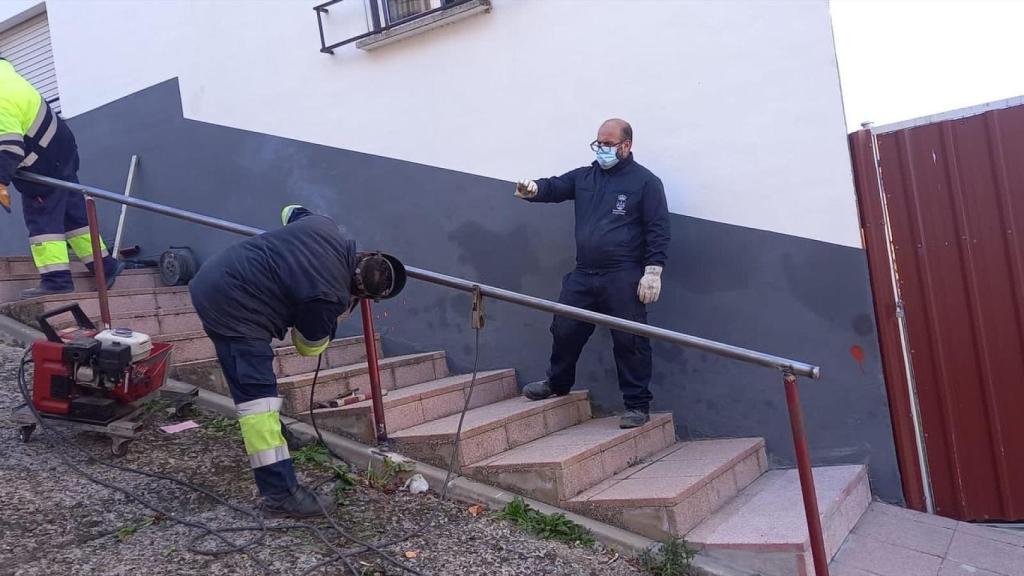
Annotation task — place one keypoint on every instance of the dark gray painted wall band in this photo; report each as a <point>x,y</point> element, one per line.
<point>780,294</point>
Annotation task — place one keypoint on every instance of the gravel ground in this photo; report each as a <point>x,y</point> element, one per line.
<point>53,521</point>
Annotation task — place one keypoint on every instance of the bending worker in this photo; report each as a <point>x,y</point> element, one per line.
<point>303,276</point>
<point>622,236</point>
<point>35,139</point>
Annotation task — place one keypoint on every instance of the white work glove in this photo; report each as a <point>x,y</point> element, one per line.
<point>526,189</point>
<point>650,285</point>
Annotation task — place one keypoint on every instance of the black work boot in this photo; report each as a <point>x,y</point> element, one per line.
<point>539,391</point>
<point>300,503</point>
<point>111,275</point>
<point>43,290</point>
<point>112,268</point>
<point>634,419</point>
<point>50,283</point>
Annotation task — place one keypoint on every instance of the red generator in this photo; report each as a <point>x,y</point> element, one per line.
<point>87,375</point>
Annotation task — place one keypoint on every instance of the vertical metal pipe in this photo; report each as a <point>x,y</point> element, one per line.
<point>372,363</point>
<point>375,13</point>
<point>803,464</point>
<point>116,250</point>
<point>320,25</point>
<point>97,260</point>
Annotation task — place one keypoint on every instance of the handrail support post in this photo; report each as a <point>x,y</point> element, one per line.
<point>803,463</point>
<point>97,260</point>
<point>373,366</point>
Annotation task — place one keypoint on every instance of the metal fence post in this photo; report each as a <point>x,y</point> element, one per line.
<point>373,364</point>
<point>97,261</point>
<point>803,464</point>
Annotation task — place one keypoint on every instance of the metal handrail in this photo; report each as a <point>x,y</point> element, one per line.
<point>790,368</point>
<point>653,332</point>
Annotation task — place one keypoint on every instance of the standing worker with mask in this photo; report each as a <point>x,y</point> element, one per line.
<point>34,139</point>
<point>622,236</point>
<point>303,276</point>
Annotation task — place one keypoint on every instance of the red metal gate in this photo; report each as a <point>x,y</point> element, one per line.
<point>953,193</point>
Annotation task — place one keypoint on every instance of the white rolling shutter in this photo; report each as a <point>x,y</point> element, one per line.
<point>27,47</point>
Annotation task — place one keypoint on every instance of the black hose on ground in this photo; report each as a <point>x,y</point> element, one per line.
<point>259,525</point>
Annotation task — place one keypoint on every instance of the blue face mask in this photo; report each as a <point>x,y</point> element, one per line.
<point>607,156</point>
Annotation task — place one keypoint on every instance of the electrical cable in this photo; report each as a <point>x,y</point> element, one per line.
<point>432,517</point>
<point>260,526</point>
<point>219,533</point>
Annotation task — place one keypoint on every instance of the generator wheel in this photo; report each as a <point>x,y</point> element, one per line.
<point>25,432</point>
<point>119,446</point>
<point>177,266</point>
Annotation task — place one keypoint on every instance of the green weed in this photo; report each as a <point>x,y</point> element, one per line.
<point>125,532</point>
<point>345,482</point>
<point>382,478</point>
<point>225,426</point>
<point>155,405</point>
<point>313,455</point>
<point>671,558</point>
<point>546,526</point>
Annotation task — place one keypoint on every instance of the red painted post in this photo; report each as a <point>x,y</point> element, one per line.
<point>97,261</point>
<point>372,362</point>
<point>803,464</point>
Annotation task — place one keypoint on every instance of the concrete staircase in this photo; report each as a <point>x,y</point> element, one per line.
<point>719,493</point>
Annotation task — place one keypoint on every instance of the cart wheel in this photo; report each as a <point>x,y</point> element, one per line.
<point>184,410</point>
<point>119,447</point>
<point>26,432</point>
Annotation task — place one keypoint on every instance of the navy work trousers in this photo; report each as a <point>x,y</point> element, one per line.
<point>248,367</point>
<point>54,216</point>
<point>612,293</point>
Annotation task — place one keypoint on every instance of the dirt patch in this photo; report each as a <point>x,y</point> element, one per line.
<point>54,521</point>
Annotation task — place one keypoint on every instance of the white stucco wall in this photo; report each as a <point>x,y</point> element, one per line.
<point>736,105</point>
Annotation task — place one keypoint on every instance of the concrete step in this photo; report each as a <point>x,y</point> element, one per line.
<point>491,429</point>
<point>411,406</point>
<point>10,265</point>
<point>206,372</point>
<point>145,299</point>
<point>559,466</point>
<point>671,492</point>
<point>11,285</point>
<point>396,372</point>
<point>188,346</point>
<point>161,321</point>
<point>195,347</point>
<point>764,531</point>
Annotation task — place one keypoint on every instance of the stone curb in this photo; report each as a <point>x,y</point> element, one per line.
<point>17,334</point>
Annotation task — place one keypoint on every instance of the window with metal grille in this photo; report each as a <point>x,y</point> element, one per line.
<point>387,20</point>
<point>27,47</point>
<point>398,10</point>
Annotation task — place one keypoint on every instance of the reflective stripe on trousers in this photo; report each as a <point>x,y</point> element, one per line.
<point>50,252</point>
<point>261,430</point>
<point>81,243</point>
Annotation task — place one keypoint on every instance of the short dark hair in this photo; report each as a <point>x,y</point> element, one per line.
<point>627,131</point>
<point>376,275</point>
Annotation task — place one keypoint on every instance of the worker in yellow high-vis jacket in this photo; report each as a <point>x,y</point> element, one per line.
<point>34,139</point>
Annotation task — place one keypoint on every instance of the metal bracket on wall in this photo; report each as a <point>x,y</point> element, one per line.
<point>477,319</point>
<point>116,250</point>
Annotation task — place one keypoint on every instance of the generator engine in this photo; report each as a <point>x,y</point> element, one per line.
<point>88,375</point>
